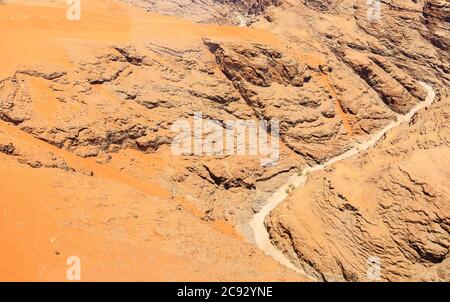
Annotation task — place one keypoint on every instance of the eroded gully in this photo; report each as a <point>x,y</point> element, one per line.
<point>261,235</point>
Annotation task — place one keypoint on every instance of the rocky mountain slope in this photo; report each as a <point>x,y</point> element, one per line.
<point>390,203</point>
<point>86,115</point>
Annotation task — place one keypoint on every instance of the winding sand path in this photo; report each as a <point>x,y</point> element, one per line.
<point>257,225</point>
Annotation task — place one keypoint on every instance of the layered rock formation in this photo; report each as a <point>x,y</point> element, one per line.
<point>390,203</point>
<point>86,117</point>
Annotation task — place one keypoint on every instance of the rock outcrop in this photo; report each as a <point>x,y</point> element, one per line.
<point>389,206</point>
<point>86,118</point>
<point>390,203</point>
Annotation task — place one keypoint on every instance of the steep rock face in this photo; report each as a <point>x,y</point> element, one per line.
<point>437,18</point>
<point>390,203</point>
<point>97,112</point>
<point>296,92</point>
<point>259,65</point>
<point>377,75</point>
<point>403,35</point>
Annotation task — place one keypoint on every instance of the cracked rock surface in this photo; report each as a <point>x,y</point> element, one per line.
<point>86,116</point>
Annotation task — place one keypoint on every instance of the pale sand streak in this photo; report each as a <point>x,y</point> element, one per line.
<point>261,235</point>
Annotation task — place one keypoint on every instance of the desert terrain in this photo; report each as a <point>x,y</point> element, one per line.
<point>88,106</point>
